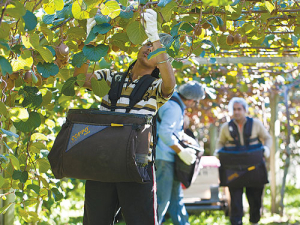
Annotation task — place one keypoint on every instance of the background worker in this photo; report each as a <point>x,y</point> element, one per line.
<point>239,124</point>
<point>169,125</point>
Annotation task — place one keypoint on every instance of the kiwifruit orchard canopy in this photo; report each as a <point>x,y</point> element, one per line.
<point>235,48</point>
<point>31,30</point>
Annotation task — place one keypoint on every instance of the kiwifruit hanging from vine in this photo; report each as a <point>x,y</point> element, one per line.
<point>222,28</point>
<point>229,40</point>
<point>206,25</point>
<point>28,77</point>
<point>10,84</point>
<point>237,38</point>
<point>14,75</point>
<point>39,80</point>
<point>244,39</point>
<point>115,48</point>
<point>63,49</point>
<point>198,30</point>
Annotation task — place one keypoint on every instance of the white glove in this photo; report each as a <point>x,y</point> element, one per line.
<point>266,152</point>
<point>90,23</point>
<point>187,155</point>
<point>150,20</point>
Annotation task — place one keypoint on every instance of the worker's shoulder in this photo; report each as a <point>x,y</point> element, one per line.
<point>257,122</point>
<point>224,125</point>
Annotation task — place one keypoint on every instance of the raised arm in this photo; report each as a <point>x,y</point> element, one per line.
<point>165,68</point>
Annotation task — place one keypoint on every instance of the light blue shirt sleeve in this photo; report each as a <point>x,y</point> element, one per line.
<point>171,122</point>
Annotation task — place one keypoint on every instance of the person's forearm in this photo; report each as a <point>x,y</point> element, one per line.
<point>166,71</point>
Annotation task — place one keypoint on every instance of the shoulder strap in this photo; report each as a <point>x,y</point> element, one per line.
<point>116,89</point>
<point>136,94</point>
<point>247,131</point>
<point>139,90</point>
<point>175,99</point>
<point>234,133</point>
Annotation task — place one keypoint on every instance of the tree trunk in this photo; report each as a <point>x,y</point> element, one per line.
<point>288,149</point>
<point>274,156</point>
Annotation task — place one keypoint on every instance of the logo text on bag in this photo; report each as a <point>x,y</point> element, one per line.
<point>83,132</point>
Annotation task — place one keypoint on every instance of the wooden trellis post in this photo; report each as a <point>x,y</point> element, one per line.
<point>274,156</point>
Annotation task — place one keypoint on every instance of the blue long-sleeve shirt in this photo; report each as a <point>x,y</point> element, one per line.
<point>171,122</point>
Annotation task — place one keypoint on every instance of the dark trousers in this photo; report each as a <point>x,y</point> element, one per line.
<point>137,201</point>
<point>254,196</point>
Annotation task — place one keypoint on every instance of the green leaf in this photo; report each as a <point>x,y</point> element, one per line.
<point>111,9</point>
<point>5,29</point>
<point>124,2</point>
<point>79,8</point>
<point>297,30</point>
<point>100,88</point>
<point>68,87</point>
<point>32,97</point>
<point>216,2</point>
<point>175,29</point>
<point>81,79</point>
<point>177,65</point>
<point>270,7</point>
<point>76,33</point>
<point>95,53</point>
<point>163,3</point>
<point>9,133</point>
<point>101,28</point>
<point>103,64</point>
<point>30,20</point>
<point>47,69</point>
<point>17,174</point>
<point>5,66</point>
<point>17,114</point>
<point>4,44</point>
<point>57,194</point>
<point>53,5</point>
<point>136,33</point>
<point>4,209</point>
<point>48,19</point>
<point>30,203</point>
<point>187,27</point>
<point>24,177</point>
<point>34,187</point>
<point>235,3</point>
<point>79,59</point>
<point>43,165</point>
<point>24,61</point>
<point>16,9</point>
<point>102,19</point>
<point>33,122</point>
<point>219,21</point>
<point>39,136</point>
<point>14,161</point>
<point>47,98</point>
<point>3,109</point>
<point>208,42</point>
<point>45,53</point>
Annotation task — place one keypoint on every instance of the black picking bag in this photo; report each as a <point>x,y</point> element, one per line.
<point>184,173</point>
<point>102,146</point>
<point>242,166</point>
